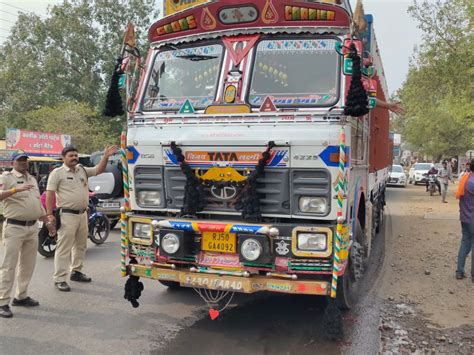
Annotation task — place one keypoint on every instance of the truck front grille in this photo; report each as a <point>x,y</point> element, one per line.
<point>272,188</point>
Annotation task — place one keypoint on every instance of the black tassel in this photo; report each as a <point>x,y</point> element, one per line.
<point>194,197</point>
<point>333,321</point>
<point>113,103</point>
<point>357,102</point>
<point>249,201</point>
<point>133,288</point>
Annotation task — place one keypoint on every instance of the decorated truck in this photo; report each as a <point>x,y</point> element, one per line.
<point>255,157</point>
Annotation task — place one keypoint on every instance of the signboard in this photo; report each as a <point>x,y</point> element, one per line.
<point>173,6</point>
<point>36,143</point>
<point>396,151</point>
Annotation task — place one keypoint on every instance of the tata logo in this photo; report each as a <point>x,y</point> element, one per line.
<point>223,156</point>
<point>224,193</point>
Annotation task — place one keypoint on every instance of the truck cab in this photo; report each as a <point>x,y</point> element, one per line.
<point>244,173</point>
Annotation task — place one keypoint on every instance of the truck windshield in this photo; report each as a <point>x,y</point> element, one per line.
<point>295,72</point>
<point>183,74</point>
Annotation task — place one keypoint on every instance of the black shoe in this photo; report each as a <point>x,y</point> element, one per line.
<point>5,311</point>
<point>80,277</point>
<point>460,275</point>
<point>25,302</point>
<point>62,286</point>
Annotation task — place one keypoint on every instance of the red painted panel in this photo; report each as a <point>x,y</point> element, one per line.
<point>271,13</point>
<point>380,151</point>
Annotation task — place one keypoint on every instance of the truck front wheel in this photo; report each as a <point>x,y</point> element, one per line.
<point>348,284</point>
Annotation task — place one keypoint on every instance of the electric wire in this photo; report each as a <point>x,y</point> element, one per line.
<point>16,7</point>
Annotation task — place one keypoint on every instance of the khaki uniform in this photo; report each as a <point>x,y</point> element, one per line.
<point>20,242</point>
<point>72,193</point>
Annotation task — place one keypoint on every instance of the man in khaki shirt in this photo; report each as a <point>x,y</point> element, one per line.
<point>21,209</point>
<point>69,183</point>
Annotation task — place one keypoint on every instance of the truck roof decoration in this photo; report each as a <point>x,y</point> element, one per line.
<point>171,7</point>
<point>239,17</point>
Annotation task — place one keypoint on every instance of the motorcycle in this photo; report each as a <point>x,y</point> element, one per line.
<point>432,184</point>
<point>98,229</point>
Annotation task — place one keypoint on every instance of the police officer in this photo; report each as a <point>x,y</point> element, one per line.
<point>69,183</point>
<point>21,209</point>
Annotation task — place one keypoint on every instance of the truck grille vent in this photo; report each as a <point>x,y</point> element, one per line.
<point>310,265</point>
<point>310,182</point>
<point>272,187</point>
<point>148,178</point>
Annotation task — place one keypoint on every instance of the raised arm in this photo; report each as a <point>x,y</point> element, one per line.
<point>395,107</point>
<point>108,152</point>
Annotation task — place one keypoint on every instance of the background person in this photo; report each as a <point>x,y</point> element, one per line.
<point>444,176</point>
<point>433,171</point>
<point>465,194</point>
<point>21,209</point>
<point>70,186</point>
<point>466,170</point>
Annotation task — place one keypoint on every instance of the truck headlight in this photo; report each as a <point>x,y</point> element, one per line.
<point>309,204</point>
<point>170,243</point>
<point>141,231</point>
<point>149,198</point>
<point>312,241</point>
<point>251,249</point>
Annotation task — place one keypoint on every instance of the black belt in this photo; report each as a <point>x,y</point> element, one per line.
<point>20,223</point>
<point>67,210</point>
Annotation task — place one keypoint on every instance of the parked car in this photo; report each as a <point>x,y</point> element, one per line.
<point>397,176</point>
<point>417,171</point>
<point>111,187</point>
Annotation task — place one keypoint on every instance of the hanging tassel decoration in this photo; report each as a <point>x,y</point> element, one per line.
<point>113,103</point>
<point>133,288</point>
<point>194,196</point>
<point>357,101</point>
<point>249,201</point>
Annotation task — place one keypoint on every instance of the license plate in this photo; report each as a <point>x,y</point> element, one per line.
<point>110,205</point>
<point>219,242</point>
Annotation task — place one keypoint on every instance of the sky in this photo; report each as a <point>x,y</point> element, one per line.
<point>396,31</point>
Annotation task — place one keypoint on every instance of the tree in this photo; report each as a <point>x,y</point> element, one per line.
<point>78,120</point>
<point>69,56</point>
<point>438,91</point>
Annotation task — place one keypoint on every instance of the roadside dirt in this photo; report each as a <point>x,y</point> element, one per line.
<point>425,309</point>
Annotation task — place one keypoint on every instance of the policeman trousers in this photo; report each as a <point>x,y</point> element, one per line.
<point>20,244</point>
<point>71,245</point>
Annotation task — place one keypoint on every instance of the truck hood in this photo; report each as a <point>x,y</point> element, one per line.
<point>237,135</point>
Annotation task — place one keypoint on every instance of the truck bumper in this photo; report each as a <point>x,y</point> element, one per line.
<point>251,284</point>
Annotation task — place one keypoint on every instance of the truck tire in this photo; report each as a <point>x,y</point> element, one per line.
<point>348,285</point>
<point>379,218</point>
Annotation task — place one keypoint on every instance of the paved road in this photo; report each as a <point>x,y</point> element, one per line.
<point>94,318</point>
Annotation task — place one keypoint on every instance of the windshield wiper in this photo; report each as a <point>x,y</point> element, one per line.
<point>196,57</point>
